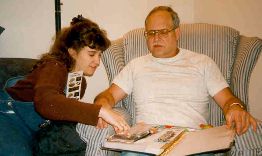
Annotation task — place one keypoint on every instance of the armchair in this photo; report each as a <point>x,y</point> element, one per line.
<point>236,56</point>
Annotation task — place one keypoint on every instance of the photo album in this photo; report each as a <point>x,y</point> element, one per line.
<point>166,140</point>
<point>146,138</point>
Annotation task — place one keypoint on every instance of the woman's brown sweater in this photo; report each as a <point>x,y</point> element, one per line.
<point>45,87</point>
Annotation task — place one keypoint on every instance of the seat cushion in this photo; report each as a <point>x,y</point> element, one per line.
<point>11,67</point>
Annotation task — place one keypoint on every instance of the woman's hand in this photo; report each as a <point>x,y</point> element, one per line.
<point>113,118</point>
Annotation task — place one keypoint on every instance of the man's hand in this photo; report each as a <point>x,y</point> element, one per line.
<point>237,117</point>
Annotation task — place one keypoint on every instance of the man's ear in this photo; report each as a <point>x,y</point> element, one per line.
<point>72,52</point>
<point>177,31</point>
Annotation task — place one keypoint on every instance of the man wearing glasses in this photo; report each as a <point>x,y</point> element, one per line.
<point>172,85</point>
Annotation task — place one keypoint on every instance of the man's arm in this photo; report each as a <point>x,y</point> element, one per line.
<point>235,114</point>
<point>110,96</point>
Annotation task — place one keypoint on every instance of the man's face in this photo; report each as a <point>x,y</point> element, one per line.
<point>161,45</point>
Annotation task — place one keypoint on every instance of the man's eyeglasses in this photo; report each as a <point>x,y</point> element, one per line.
<point>161,32</point>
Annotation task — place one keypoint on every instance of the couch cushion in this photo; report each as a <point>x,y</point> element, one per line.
<point>11,67</point>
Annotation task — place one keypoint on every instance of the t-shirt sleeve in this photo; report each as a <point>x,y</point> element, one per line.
<point>215,81</point>
<point>124,79</point>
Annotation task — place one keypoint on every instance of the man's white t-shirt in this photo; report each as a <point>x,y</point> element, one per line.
<point>174,90</point>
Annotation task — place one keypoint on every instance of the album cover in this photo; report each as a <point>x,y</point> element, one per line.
<point>171,140</point>
<point>146,138</point>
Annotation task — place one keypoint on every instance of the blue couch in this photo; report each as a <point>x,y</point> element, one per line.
<point>18,120</point>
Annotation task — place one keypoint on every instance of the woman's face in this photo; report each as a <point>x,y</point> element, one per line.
<point>86,60</point>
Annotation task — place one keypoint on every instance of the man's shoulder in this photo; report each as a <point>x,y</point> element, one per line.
<point>194,55</point>
<point>141,58</point>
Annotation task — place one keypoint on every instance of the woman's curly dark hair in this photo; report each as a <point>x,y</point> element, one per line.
<point>81,32</point>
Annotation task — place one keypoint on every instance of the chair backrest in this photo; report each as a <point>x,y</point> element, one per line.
<point>218,42</point>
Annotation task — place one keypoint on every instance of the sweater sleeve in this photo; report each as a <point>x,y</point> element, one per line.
<point>51,102</point>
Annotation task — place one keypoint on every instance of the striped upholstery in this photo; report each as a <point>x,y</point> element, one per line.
<point>217,42</point>
<point>94,137</point>
<point>113,61</point>
<point>235,56</point>
<point>134,45</point>
<point>248,53</point>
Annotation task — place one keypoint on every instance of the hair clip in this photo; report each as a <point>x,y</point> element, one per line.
<point>77,19</point>
<point>80,17</point>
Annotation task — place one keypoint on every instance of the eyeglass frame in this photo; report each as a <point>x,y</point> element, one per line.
<point>159,32</point>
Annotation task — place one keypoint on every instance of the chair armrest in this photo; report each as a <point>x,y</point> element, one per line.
<point>247,55</point>
<point>249,143</point>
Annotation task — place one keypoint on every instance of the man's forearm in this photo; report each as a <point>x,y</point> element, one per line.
<point>226,100</point>
<point>105,99</point>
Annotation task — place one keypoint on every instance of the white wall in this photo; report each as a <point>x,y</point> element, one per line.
<point>244,16</point>
<point>30,25</point>
<point>119,18</point>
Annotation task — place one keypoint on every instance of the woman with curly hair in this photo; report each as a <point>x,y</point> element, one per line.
<point>76,48</point>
